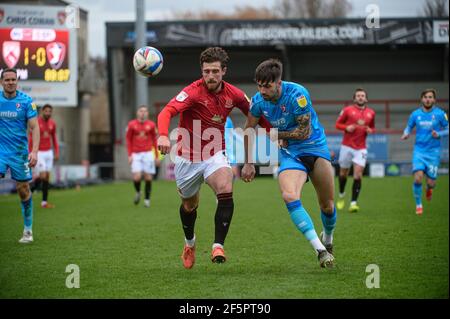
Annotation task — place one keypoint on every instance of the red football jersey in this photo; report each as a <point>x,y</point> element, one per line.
<point>362,118</point>
<point>47,131</point>
<point>201,110</point>
<point>141,136</point>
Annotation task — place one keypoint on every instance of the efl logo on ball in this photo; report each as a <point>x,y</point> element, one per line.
<point>148,61</point>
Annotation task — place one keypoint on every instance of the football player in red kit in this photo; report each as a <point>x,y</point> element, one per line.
<point>47,154</point>
<point>357,121</point>
<point>141,142</point>
<point>200,154</point>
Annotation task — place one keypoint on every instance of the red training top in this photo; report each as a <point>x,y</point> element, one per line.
<point>141,136</point>
<point>361,118</point>
<point>47,129</point>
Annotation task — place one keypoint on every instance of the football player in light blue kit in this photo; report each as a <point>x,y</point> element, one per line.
<point>17,113</point>
<point>431,124</point>
<point>287,106</point>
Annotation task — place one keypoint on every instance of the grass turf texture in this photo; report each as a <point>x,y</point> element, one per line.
<point>127,251</point>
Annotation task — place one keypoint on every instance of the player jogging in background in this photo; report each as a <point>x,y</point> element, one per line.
<point>431,124</point>
<point>141,141</point>
<point>357,121</point>
<point>288,107</point>
<point>203,107</point>
<point>48,152</point>
<point>17,113</point>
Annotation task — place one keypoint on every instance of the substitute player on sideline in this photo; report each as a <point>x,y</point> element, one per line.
<point>431,124</point>
<point>17,113</point>
<point>203,106</point>
<point>288,107</point>
<point>142,156</point>
<point>357,121</point>
<point>48,152</point>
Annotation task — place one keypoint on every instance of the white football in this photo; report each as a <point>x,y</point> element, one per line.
<point>148,61</point>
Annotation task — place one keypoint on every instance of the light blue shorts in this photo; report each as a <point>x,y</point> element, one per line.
<point>18,165</point>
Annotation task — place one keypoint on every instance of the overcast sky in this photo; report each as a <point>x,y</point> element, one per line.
<point>102,11</point>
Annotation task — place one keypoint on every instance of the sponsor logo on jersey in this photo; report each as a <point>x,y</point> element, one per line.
<point>217,118</point>
<point>302,101</point>
<point>8,114</point>
<point>361,122</point>
<point>181,96</point>
<point>280,123</point>
<point>426,124</point>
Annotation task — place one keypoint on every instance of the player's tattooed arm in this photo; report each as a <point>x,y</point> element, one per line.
<point>301,132</point>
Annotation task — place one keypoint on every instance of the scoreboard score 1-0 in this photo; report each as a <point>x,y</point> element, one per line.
<point>37,54</point>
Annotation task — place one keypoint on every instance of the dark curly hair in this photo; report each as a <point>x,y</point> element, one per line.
<point>214,54</point>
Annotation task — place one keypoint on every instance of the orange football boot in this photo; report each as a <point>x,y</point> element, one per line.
<point>218,255</point>
<point>188,257</point>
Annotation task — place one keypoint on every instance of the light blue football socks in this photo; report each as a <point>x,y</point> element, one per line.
<point>27,213</point>
<point>303,222</point>
<point>417,189</point>
<point>329,221</point>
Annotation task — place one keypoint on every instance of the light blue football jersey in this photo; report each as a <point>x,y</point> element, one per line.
<point>294,101</point>
<point>14,116</point>
<point>425,123</point>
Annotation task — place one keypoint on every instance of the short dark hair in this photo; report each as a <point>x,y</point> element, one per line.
<point>428,91</point>
<point>214,54</point>
<point>47,106</point>
<point>9,70</point>
<point>269,71</point>
<point>360,90</point>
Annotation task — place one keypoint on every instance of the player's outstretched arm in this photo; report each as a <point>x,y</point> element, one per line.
<point>409,127</point>
<point>55,144</point>
<point>444,127</point>
<point>34,127</point>
<point>301,132</point>
<point>164,117</point>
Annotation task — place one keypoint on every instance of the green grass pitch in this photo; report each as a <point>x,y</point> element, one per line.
<point>127,251</point>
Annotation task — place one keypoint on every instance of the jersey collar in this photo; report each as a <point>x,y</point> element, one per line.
<point>422,108</point>
<point>9,98</point>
